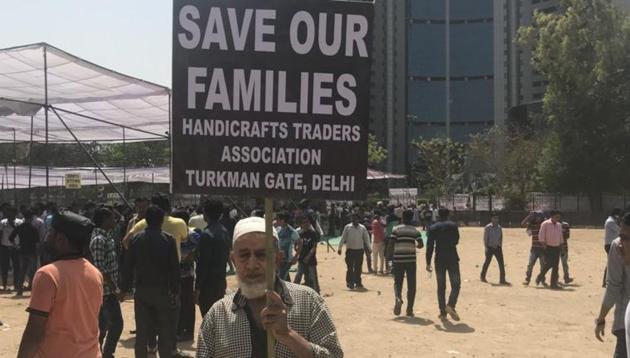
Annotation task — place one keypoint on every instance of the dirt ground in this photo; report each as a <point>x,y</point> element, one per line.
<point>496,321</point>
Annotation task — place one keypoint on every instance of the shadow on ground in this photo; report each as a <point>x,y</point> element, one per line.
<point>448,326</point>
<point>414,320</point>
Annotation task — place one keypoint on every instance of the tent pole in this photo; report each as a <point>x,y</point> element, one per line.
<point>46,122</point>
<point>170,146</point>
<point>270,263</point>
<point>124,163</point>
<point>14,164</point>
<point>30,156</point>
<point>122,197</point>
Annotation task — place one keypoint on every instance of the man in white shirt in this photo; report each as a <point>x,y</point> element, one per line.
<point>611,232</point>
<point>8,249</point>
<point>357,239</point>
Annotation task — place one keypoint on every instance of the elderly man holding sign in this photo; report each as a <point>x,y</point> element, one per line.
<point>297,316</point>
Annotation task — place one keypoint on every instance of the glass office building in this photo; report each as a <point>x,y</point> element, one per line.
<point>471,68</point>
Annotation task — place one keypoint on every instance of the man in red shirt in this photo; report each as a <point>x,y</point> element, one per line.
<point>378,244</point>
<point>66,296</point>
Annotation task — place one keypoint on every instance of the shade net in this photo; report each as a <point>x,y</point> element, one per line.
<point>92,176</point>
<point>89,176</point>
<point>96,103</point>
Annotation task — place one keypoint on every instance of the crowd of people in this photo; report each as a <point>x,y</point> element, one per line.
<point>79,267</point>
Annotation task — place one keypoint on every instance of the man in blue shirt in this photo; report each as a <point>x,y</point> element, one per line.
<point>287,236</point>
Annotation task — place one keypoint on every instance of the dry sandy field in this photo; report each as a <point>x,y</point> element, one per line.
<point>497,321</point>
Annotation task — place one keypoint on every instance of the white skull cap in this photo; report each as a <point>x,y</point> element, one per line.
<point>249,225</point>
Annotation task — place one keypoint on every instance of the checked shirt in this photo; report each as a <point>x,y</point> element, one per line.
<point>226,332</point>
<point>103,252</point>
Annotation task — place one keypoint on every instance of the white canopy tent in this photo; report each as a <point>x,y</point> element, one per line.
<point>97,103</point>
<point>50,96</point>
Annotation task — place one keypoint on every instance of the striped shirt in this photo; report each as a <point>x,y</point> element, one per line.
<point>533,228</point>
<point>406,238</point>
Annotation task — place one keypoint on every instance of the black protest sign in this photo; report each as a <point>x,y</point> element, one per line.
<point>271,97</point>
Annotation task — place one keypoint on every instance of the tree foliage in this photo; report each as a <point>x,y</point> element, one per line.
<point>142,154</point>
<point>431,169</point>
<point>376,153</point>
<point>583,54</point>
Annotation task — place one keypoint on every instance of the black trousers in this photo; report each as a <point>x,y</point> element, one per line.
<point>155,310</point>
<point>9,257</point>
<point>368,259</point>
<point>186,324</point>
<point>354,264</point>
<point>209,295</point>
<point>441,269</point>
<point>552,260</point>
<point>498,253</point>
<point>110,324</point>
<point>27,261</point>
<point>620,347</point>
<point>400,271</point>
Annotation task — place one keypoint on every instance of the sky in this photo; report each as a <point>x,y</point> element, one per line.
<point>130,36</point>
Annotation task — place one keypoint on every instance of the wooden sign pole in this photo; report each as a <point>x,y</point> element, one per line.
<point>270,254</point>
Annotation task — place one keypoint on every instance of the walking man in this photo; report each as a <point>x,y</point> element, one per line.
<point>210,283</point>
<point>153,260</point>
<point>378,244</point>
<point>537,252</point>
<point>355,237</point>
<point>617,292</point>
<point>287,238</point>
<point>444,237</point>
<point>307,256</point>
<point>551,237</point>
<point>406,238</point>
<point>611,232</point>
<point>28,238</point>
<point>493,243</point>
<point>66,295</point>
<point>9,249</point>
<point>103,252</point>
<point>564,252</point>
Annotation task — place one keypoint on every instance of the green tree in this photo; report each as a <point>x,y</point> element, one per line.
<point>431,169</point>
<point>376,153</point>
<point>583,54</point>
<point>509,168</point>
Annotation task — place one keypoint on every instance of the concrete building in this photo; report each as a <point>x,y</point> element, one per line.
<point>450,70</point>
<point>424,54</point>
<point>388,91</point>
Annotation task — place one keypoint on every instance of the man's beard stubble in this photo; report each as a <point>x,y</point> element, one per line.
<point>252,291</point>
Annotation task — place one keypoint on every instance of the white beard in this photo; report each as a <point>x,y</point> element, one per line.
<point>252,291</point>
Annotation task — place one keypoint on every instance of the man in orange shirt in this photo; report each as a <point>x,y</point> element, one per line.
<point>66,296</point>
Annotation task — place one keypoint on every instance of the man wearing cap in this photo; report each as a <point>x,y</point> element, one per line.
<point>237,325</point>
<point>66,296</point>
